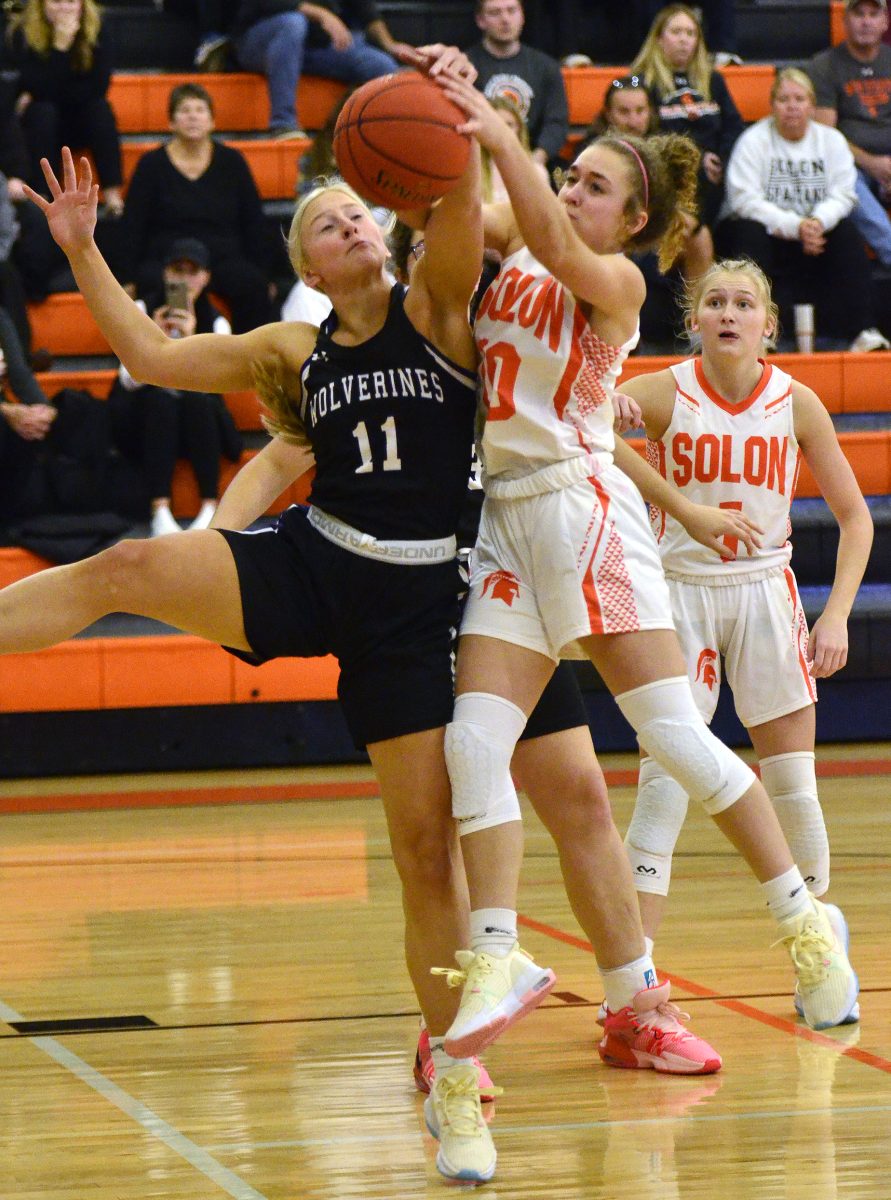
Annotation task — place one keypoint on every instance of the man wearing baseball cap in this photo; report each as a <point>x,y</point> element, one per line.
<point>853,86</point>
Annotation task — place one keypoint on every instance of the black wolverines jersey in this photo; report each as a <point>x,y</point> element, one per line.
<point>391,425</point>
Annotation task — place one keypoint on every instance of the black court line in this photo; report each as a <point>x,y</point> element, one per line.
<point>155,1026</point>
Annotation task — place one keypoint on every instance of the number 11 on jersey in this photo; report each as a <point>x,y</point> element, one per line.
<point>391,462</point>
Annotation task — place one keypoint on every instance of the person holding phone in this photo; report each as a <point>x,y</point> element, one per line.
<point>154,426</point>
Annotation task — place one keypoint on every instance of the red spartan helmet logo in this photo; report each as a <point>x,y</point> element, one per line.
<point>705,668</point>
<point>503,585</point>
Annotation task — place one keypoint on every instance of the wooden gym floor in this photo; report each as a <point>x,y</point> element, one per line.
<point>228,947</point>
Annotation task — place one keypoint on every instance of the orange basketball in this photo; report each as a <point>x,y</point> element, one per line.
<point>395,141</point>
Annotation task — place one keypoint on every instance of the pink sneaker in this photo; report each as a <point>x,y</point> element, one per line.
<point>425,1071</point>
<point>649,1033</point>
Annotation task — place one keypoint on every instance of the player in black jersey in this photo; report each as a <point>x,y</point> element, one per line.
<point>383,400</point>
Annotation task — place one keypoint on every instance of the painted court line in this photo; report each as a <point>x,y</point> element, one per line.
<point>271,792</point>
<point>198,1158</point>
<point>737,1006</point>
<point>504,1131</point>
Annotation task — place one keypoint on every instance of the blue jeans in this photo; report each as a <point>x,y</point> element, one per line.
<point>872,221</point>
<point>276,47</point>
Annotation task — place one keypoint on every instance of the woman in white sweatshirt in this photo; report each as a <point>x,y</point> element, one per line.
<point>789,193</point>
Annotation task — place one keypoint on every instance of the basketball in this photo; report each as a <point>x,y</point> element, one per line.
<point>395,141</point>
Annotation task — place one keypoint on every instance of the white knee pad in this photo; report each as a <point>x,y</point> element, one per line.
<point>655,826</point>
<point>479,744</point>
<point>670,729</point>
<point>791,782</point>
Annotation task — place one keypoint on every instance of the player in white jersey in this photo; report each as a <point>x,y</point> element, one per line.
<point>565,564</point>
<point>728,429</point>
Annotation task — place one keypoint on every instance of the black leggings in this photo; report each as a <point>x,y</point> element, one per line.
<point>836,282</point>
<point>155,426</point>
<point>90,126</point>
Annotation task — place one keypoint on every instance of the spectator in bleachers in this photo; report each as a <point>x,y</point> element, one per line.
<point>24,424</point>
<point>35,256</point>
<point>528,77</point>
<point>691,97</point>
<point>154,426</point>
<point>852,82</point>
<point>213,19</point>
<point>628,109</point>
<point>195,186</point>
<point>339,39</point>
<point>790,192</point>
<point>494,191</point>
<point>64,66</point>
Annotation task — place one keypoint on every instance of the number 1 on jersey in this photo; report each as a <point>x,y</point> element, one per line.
<point>392,461</point>
<point>501,365</point>
<point>730,540</point>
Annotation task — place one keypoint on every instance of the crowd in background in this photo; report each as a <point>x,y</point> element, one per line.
<point>804,192</point>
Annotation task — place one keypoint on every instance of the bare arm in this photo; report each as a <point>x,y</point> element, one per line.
<point>204,362</point>
<point>710,526</point>
<point>828,645</point>
<point>609,282</point>
<point>260,482</point>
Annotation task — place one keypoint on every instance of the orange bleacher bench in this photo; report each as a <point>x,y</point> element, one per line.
<point>749,85</point>
<point>241,101</point>
<point>154,671</point>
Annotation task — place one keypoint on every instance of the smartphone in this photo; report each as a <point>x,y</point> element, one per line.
<point>176,296</point>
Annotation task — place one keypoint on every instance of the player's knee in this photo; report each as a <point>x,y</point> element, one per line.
<point>115,570</point>
<point>671,730</point>
<point>791,782</point>
<point>479,744</point>
<point>425,855</point>
<point>656,823</point>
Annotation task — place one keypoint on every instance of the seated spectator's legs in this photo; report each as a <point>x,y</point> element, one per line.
<point>145,428</point>
<point>21,378</point>
<point>36,255</point>
<point>244,287</point>
<point>42,124</point>
<point>17,459</point>
<point>200,440</point>
<point>358,64</point>
<point>274,47</point>
<point>92,125</point>
<point>871,220</point>
<point>15,304</point>
<point>843,293</point>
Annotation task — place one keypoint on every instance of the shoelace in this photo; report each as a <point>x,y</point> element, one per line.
<point>456,977</point>
<point>461,1103</point>
<point>667,1012</point>
<point>810,953</point>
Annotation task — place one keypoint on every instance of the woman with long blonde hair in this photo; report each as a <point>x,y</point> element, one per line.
<point>65,67</point>
<point>690,97</point>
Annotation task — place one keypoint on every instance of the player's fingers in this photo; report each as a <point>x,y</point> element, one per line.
<point>41,201</point>
<point>69,175</point>
<point>50,176</point>
<point>85,183</point>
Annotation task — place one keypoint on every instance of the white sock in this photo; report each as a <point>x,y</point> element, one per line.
<point>621,984</point>
<point>163,521</point>
<point>787,895</point>
<point>648,945</point>
<point>442,1061</point>
<point>493,931</point>
<point>205,515</point>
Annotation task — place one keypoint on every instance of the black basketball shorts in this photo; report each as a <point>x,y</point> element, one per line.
<point>390,627</point>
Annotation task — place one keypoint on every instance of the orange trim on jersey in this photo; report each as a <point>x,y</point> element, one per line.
<point>573,366</point>
<point>779,400</point>
<point>794,483</point>
<point>766,373</point>
<point>694,403</point>
<point>663,471</point>
<point>793,595</point>
<point>589,587</point>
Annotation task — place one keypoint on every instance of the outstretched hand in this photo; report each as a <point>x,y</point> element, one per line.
<point>722,530</point>
<point>71,214</point>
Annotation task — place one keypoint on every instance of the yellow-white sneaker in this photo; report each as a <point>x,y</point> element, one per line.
<point>827,986</point>
<point>496,993</point>
<point>454,1117</point>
